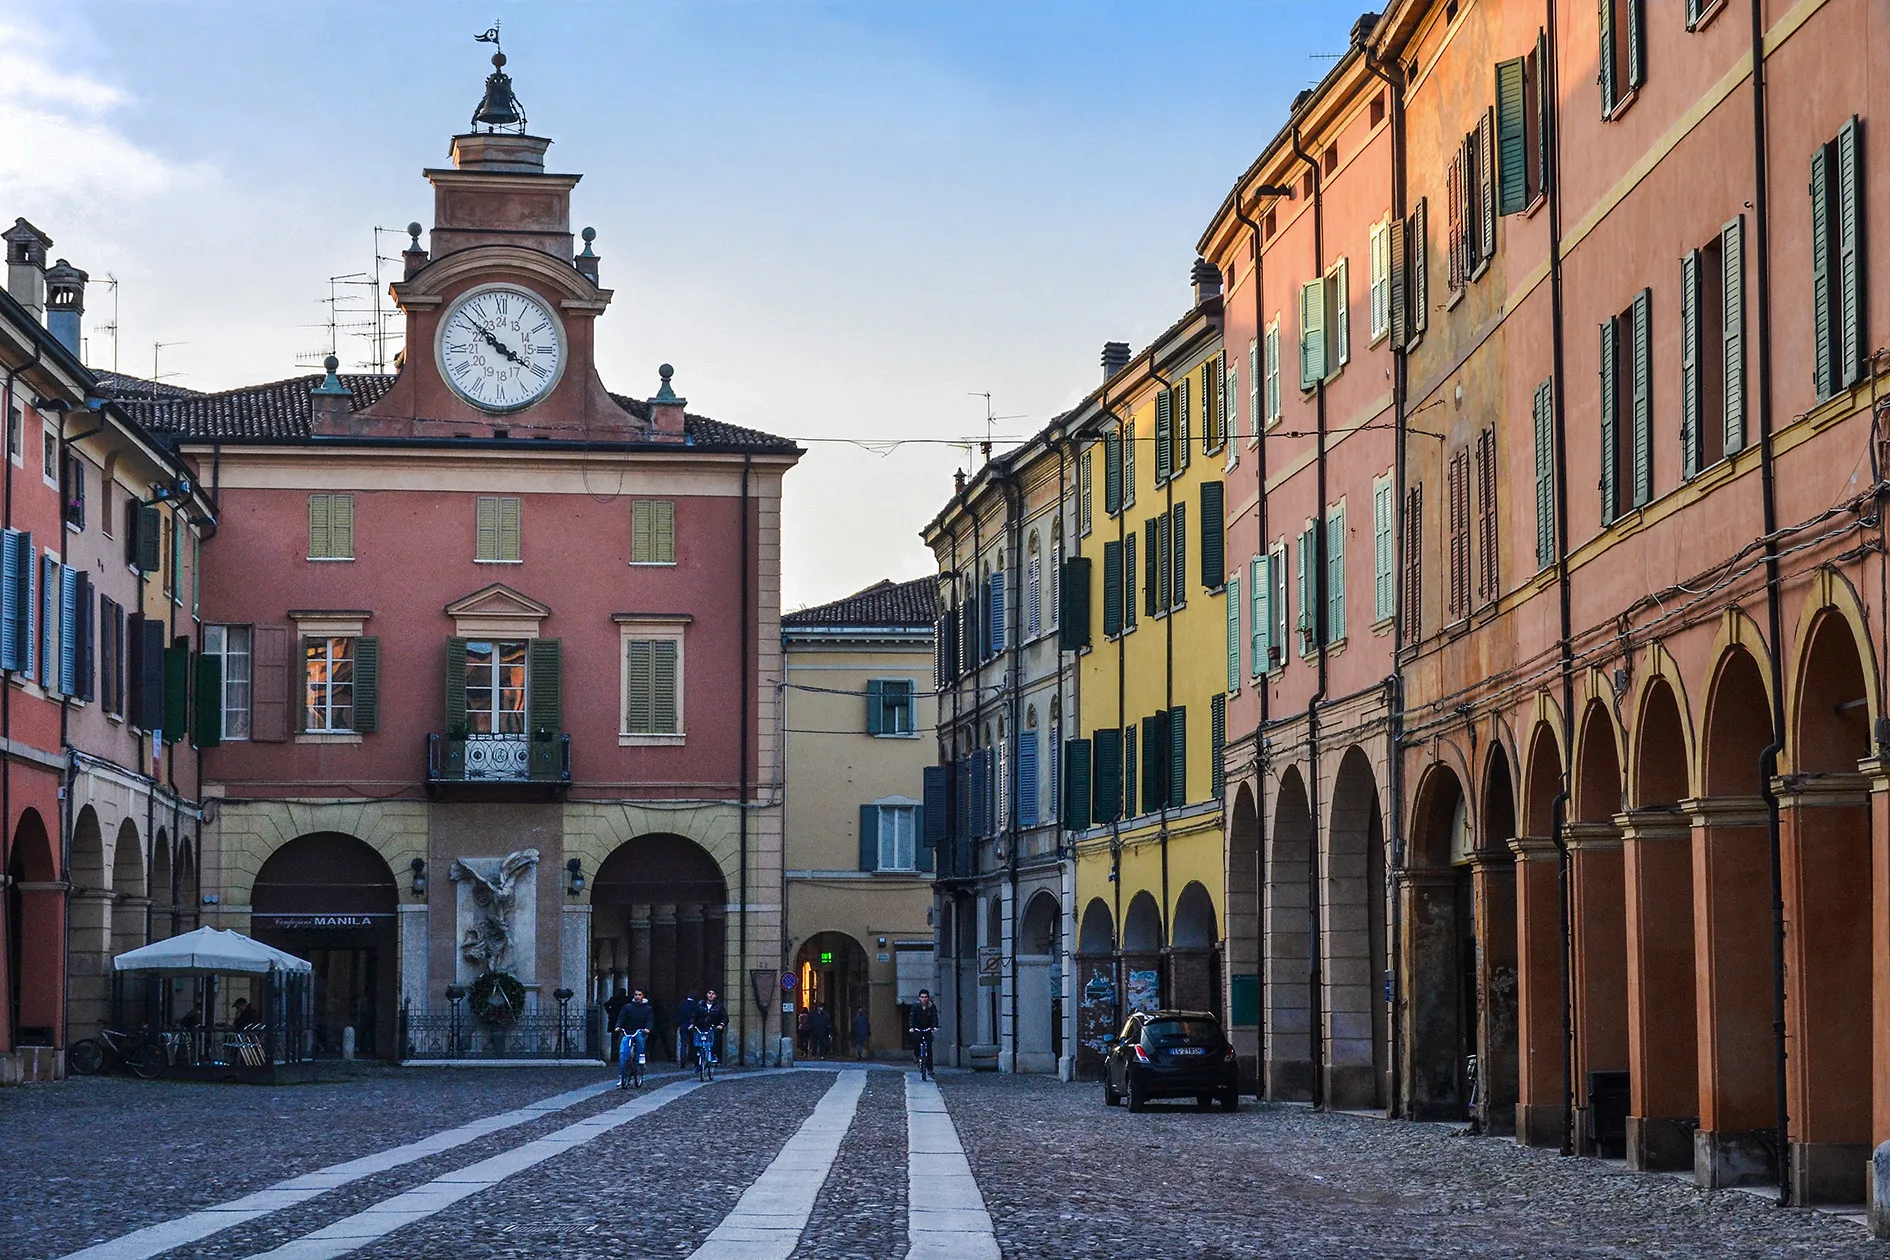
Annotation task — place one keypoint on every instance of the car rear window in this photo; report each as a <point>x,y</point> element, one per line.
<point>1176,1032</point>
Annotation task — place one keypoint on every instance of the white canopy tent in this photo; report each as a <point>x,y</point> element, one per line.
<point>210,951</point>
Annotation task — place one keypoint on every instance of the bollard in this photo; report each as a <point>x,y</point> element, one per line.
<point>347,1042</point>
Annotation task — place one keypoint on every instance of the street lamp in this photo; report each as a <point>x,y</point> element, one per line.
<point>419,868</point>
<point>564,997</point>
<point>454,994</point>
<point>576,867</point>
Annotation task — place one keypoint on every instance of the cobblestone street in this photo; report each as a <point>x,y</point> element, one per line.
<point>556,1162</point>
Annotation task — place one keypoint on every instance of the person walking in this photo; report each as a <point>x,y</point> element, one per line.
<point>862,1033</point>
<point>685,1020</point>
<point>634,1020</point>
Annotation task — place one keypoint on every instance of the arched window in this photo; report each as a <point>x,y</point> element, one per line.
<point>1033,591</point>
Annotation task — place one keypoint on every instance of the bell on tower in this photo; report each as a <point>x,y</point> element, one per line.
<point>499,108</point>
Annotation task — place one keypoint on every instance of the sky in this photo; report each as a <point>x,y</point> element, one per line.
<point>842,222</point>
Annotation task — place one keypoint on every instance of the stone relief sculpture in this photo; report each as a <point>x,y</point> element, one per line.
<point>494,885</point>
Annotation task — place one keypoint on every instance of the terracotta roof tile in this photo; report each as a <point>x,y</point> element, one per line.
<point>885,603</point>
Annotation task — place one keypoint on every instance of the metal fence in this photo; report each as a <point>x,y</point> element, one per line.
<point>570,1032</point>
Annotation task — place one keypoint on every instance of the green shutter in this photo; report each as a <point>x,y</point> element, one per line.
<point>1545,111</point>
<point>1312,334</point>
<point>1733,330</point>
<point>367,684</point>
<point>664,712</point>
<point>1383,552</point>
<point>1165,561</point>
<point>1824,379</point>
<point>1112,473</point>
<point>1076,784</point>
<point>1151,567</point>
<point>318,543</point>
<point>1133,802</point>
<point>1233,633</point>
<point>1545,474</point>
<point>1636,43</point>
<point>1180,556</point>
<point>341,526</point>
<point>1605,53</point>
<point>642,531</point>
<point>456,689</point>
<point>1305,591</point>
<point>1073,613</point>
<point>1609,423</point>
<point>544,707</point>
<point>1128,579</point>
<point>1643,398</point>
<point>1852,349</point>
<point>875,707</point>
<point>207,730</point>
<point>1262,629</point>
<point>1276,565</point>
<point>1335,575</point>
<point>1155,758</point>
<point>1512,153</point>
<point>1217,746</point>
<point>1164,435</point>
<point>176,691</point>
<point>150,531</point>
<point>1176,794</point>
<point>664,529</point>
<point>1690,384</point>
<point>1112,589</point>
<point>1106,747</point>
<point>508,529</point>
<point>1213,534</point>
<point>869,837</point>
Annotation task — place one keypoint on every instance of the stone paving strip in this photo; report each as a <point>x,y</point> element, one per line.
<point>768,1219</point>
<point>155,1239</point>
<point>946,1216</point>
<point>442,1192</point>
<point>860,1213</point>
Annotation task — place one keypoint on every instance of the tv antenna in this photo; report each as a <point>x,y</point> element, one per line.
<point>339,302</point>
<point>111,282</point>
<point>158,347</point>
<point>990,424</point>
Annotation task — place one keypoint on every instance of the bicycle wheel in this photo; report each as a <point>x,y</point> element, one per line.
<point>147,1061</point>
<point>85,1058</point>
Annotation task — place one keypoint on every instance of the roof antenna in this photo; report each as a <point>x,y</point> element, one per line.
<point>990,422</point>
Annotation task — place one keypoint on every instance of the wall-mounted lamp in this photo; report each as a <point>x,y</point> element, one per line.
<point>576,867</point>
<point>419,868</point>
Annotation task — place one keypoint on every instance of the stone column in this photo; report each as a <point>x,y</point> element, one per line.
<point>1432,1011</point>
<point>1732,943</point>
<point>663,977</point>
<point>89,964</point>
<point>574,941</point>
<point>1663,1051</point>
<point>1540,1042</point>
<point>690,975</point>
<point>1598,911</point>
<point>637,959</point>
<point>1825,839</point>
<point>1286,989</point>
<point>1493,880</point>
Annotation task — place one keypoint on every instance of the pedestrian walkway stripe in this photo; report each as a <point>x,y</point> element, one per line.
<point>442,1192</point>
<point>945,1213</point>
<point>153,1240</point>
<point>767,1221</point>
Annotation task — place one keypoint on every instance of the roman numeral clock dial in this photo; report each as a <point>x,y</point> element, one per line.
<point>500,347</point>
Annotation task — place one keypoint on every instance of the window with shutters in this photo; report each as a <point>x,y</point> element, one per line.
<point>1312,334</point>
<point>1164,436</point>
<point>1260,617</point>
<point>1489,572</point>
<point>1182,439</point>
<point>76,480</point>
<point>16,425</point>
<point>1257,414</point>
<point>495,687</point>
<point>1543,417</point>
<point>1217,746</point>
<point>1086,490</point>
<point>898,837</point>
<point>1458,508</point>
<point>1056,573</point>
<point>1620,54</point>
<point>1033,591</point>
<point>652,686</point>
<point>1112,472</point>
<point>1278,601</point>
<point>1472,205</point>
<point>167,566</point>
<point>1128,463</point>
<point>1627,420</point>
<point>1307,593</point>
<point>1380,280</point>
<point>652,531</point>
<point>1338,309</point>
<point>891,707</point>
<point>230,645</point>
<point>1233,633</point>
<point>1131,766</point>
<point>1384,578</point>
<point>49,456</point>
<point>1840,334</point>
<point>1335,574</point>
<point>1412,592</point>
<point>1521,124</point>
<point>1273,372</point>
<point>330,527</point>
<point>1712,350</point>
<point>328,684</point>
<point>1700,13</point>
<point>496,532</point>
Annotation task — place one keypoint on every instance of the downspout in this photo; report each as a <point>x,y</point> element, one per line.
<point>741,810</point>
<point>1558,812</point>
<point>1167,755</point>
<point>1314,619</point>
<point>1768,758</point>
<point>1261,669</point>
<point>1392,994</point>
<point>1118,974</point>
<point>1014,681</point>
<point>6,734</point>
<point>977,717</point>
<point>65,736</point>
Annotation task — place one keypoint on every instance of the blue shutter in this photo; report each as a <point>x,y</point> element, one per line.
<point>1383,553</point>
<point>997,612</point>
<point>932,829</point>
<point>11,640</point>
<point>68,630</point>
<point>1307,638</point>
<point>980,793</point>
<point>869,837</point>
<point>1027,779</point>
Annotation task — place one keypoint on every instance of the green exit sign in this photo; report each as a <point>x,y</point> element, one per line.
<point>826,958</point>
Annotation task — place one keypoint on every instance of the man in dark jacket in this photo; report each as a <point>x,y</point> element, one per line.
<point>712,1017</point>
<point>634,1021</point>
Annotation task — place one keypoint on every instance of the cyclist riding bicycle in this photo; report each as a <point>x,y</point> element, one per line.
<point>922,1023</point>
<point>634,1020</point>
<point>710,1019</point>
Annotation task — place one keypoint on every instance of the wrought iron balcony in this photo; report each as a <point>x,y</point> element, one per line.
<point>475,758</point>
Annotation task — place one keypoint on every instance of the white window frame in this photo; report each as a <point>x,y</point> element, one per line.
<point>652,629</point>
<point>1273,372</point>
<point>330,727</point>
<point>893,810</point>
<point>1338,329</point>
<point>1384,557</point>
<point>911,709</point>
<point>217,643</point>
<point>49,455</point>
<point>1381,280</point>
<point>495,645</point>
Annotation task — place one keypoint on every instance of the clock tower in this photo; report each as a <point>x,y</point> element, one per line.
<point>501,307</point>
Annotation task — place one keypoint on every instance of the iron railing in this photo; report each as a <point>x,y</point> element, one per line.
<point>570,1032</point>
<point>475,757</point>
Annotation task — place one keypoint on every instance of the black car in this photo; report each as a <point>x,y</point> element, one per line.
<point>1171,1054</point>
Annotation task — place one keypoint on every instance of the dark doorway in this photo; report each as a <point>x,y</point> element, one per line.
<point>831,968</point>
<point>660,917</point>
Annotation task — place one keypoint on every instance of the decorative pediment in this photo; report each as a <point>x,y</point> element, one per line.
<point>496,611</point>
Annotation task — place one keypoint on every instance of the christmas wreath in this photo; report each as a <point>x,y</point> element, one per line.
<point>498,999</point>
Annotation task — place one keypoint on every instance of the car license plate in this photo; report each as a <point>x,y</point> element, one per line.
<point>1188,1050</point>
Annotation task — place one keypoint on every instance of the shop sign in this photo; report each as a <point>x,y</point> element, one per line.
<point>318,922</point>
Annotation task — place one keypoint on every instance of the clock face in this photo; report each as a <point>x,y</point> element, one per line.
<point>500,347</point>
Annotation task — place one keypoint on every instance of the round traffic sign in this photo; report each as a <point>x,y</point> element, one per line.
<point>788,982</point>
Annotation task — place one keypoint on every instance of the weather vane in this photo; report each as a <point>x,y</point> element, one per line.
<point>499,108</point>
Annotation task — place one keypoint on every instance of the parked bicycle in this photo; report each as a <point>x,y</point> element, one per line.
<point>704,1053</point>
<point>112,1048</point>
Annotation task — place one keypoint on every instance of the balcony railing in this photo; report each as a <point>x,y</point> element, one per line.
<point>475,758</point>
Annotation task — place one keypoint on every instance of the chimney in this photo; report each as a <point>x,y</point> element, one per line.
<point>413,257</point>
<point>586,262</point>
<point>666,409</point>
<point>1115,357</point>
<point>1207,286</point>
<point>65,303</point>
<point>26,266</point>
<point>331,401</point>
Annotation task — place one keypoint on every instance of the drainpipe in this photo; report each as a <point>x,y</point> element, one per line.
<point>1315,617</point>
<point>1392,995</point>
<point>6,732</point>
<point>1167,754</point>
<point>1015,494</point>
<point>1768,759</point>
<point>741,810</point>
<point>1559,423</point>
<point>1117,972</point>
<point>1262,669</point>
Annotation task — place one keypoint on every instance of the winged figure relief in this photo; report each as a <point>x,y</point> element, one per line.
<point>488,942</point>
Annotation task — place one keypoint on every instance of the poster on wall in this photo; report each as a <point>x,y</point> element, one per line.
<point>1145,991</point>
